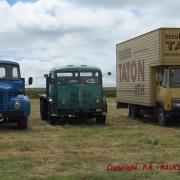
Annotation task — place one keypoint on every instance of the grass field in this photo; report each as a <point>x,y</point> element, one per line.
<point>84,150</point>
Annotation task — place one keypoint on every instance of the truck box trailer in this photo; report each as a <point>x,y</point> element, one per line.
<point>148,74</point>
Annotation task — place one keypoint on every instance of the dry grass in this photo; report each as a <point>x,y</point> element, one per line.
<point>83,150</point>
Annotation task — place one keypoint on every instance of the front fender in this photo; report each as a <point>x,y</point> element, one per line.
<point>21,104</point>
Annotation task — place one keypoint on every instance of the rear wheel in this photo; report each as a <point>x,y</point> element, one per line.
<point>101,119</point>
<point>133,111</point>
<point>22,123</point>
<point>43,109</point>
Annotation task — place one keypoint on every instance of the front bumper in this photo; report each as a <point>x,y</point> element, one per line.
<point>80,112</point>
<point>175,112</point>
<point>11,114</point>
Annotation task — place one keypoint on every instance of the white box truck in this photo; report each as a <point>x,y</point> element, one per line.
<point>148,74</point>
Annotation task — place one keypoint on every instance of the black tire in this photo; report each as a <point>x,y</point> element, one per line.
<point>162,120</point>
<point>22,123</point>
<point>133,111</point>
<point>43,109</point>
<point>101,119</point>
<point>52,120</point>
<point>12,119</point>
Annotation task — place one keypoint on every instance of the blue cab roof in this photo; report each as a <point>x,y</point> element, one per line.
<point>8,62</point>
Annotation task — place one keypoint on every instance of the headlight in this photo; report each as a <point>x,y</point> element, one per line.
<point>98,100</point>
<point>17,105</point>
<point>63,101</point>
<point>50,100</point>
<point>176,103</point>
<point>21,96</point>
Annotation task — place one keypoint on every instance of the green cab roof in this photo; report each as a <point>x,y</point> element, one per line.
<point>73,68</point>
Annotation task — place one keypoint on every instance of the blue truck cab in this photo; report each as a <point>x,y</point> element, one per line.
<point>14,105</point>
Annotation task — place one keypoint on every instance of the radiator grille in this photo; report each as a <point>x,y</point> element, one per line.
<point>74,99</point>
<point>86,98</point>
<point>1,101</point>
<point>10,95</point>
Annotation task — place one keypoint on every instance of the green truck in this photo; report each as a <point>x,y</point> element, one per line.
<point>73,91</point>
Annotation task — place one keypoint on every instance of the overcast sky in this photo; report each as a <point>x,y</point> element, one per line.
<point>41,34</point>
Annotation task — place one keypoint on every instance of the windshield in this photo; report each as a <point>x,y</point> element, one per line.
<point>9,72</point>
<point>78,77</point>
<point>89,77</point>
<point>67,78</point>
<point>175,77</point>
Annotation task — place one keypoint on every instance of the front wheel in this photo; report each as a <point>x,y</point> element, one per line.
<point>22,123</point>
<point>52,120</point>
<point>101,119</point>
<point>162,120</point>
<point>133,111</point>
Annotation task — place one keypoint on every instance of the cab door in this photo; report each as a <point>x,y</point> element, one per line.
<point>163,92</point>
<point>53,92</point>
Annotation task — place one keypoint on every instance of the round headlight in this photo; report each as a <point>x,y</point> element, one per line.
<point>50,100</point>
<point>17,105</point>
<point>97,100</point>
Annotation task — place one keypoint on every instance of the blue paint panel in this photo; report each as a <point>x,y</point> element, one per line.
<point>24,105</point>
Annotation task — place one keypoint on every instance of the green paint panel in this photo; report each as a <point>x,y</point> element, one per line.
<point>80,96</point>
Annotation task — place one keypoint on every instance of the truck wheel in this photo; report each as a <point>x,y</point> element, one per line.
<point>101,119</point>
<point>133,111</point>
<point>43,109</point>
<point>22,123</point>
<point>52,120</point>
<point>162,120</point>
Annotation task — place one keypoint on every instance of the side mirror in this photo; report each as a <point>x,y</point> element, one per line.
<point>30,80</point>
<point>109,74</point>
<point>46,75</point>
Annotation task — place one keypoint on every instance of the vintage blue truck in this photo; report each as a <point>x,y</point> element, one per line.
<point>14,105</point>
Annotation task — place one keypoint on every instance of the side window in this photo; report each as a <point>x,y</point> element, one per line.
<point>2,72</point>
<point>52,78</point>
<point>15,73</point>
<point>67,78</point>
<point>89,77</point>
<point>86,77</point>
